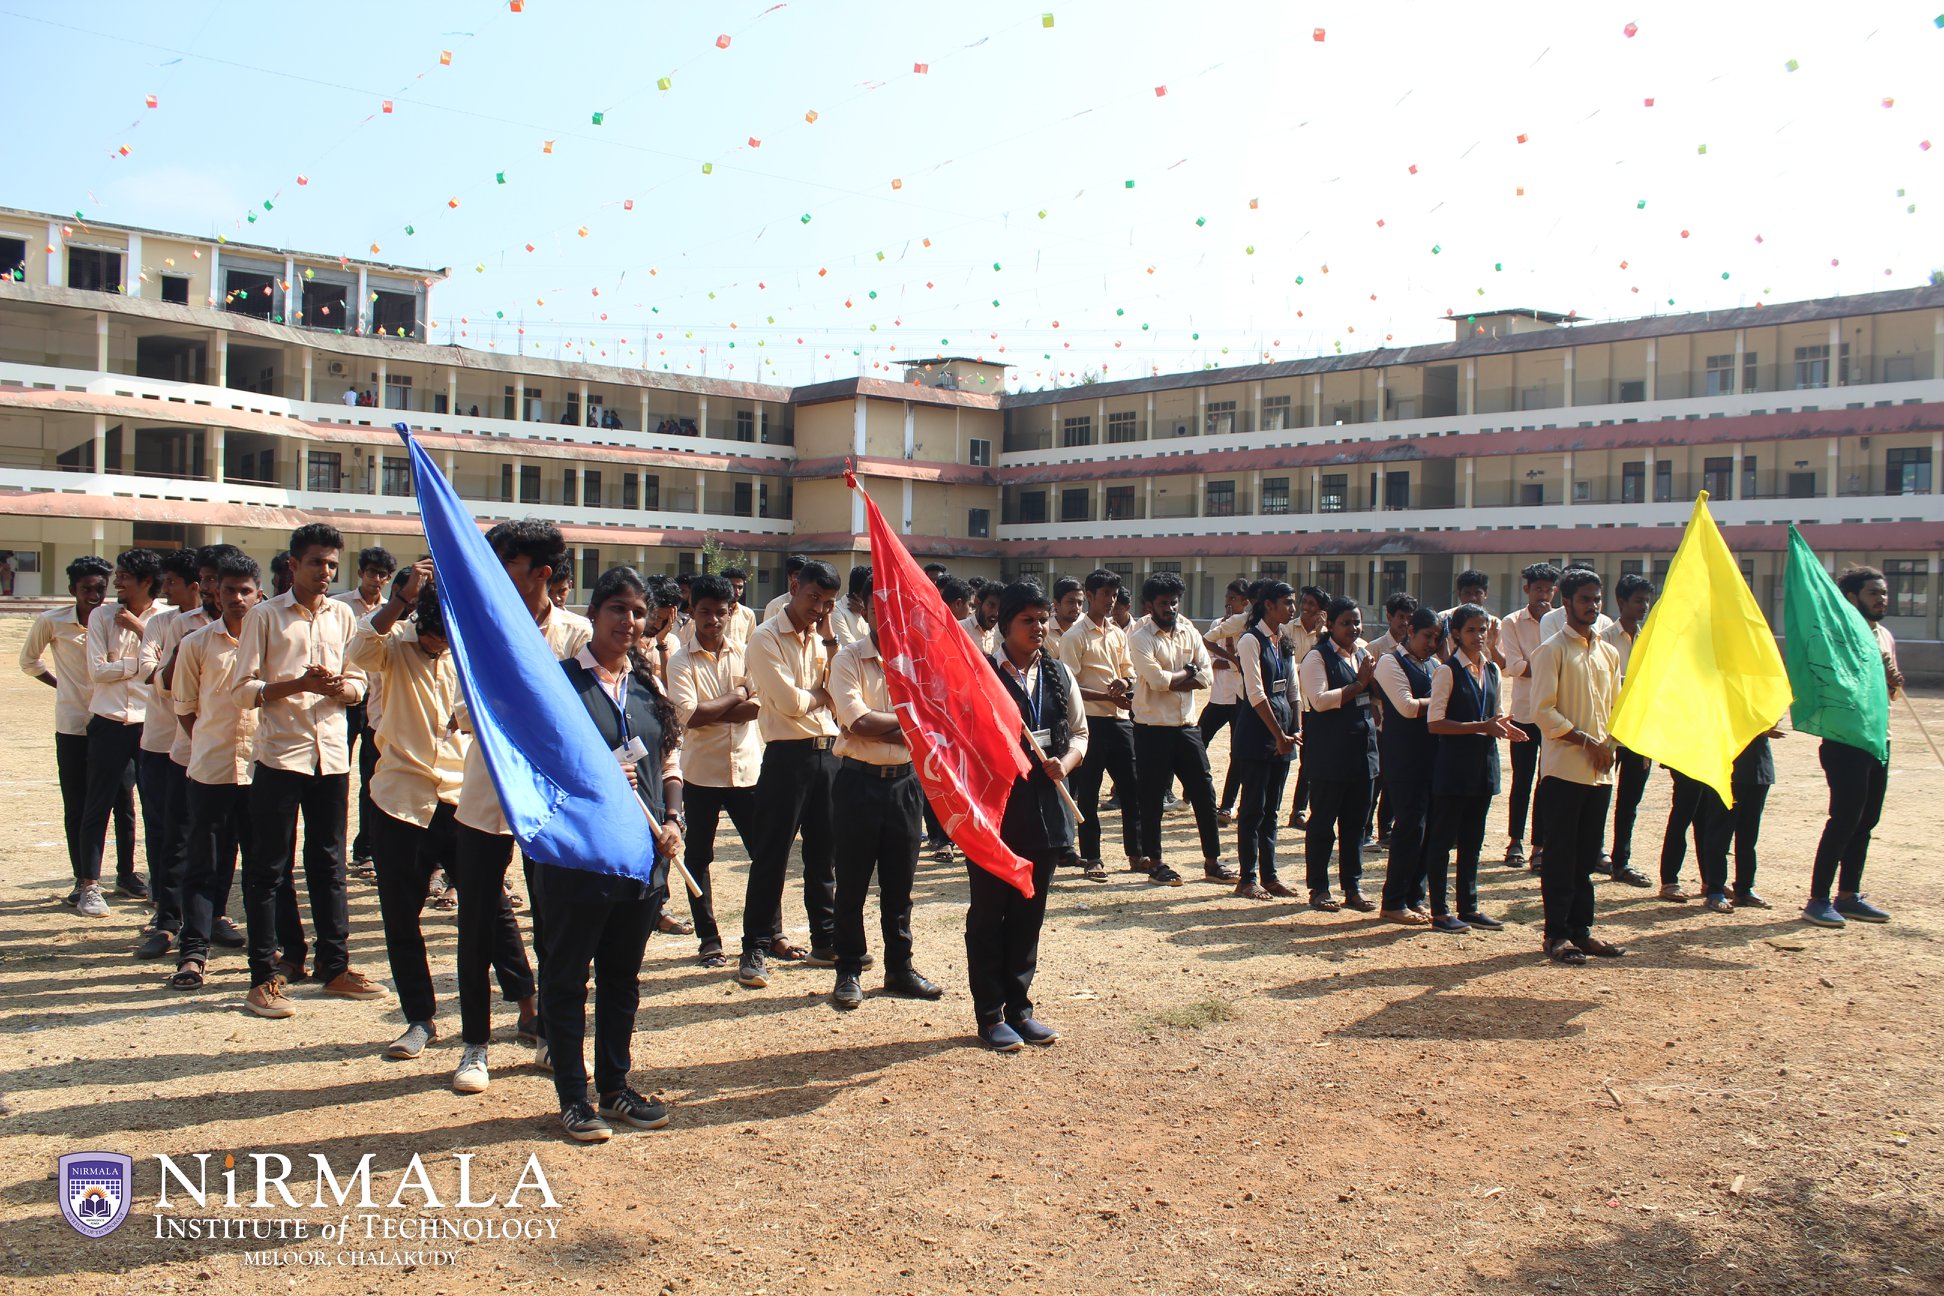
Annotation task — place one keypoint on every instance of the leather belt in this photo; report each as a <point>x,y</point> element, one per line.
<point>877,771</point>
<point>815,744</point>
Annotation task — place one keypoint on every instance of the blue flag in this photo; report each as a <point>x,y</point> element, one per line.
<point>564,794</point>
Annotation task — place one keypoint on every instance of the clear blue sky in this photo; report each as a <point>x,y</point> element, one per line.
<point>1013,119</point>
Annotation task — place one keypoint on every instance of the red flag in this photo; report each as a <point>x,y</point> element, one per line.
<point>961,725</point>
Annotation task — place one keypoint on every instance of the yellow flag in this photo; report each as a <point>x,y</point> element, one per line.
<point>1705,678</point>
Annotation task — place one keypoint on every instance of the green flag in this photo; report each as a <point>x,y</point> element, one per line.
<point>1835,666</point>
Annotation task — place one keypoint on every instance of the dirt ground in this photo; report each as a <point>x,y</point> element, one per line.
<point>1248,1098</point>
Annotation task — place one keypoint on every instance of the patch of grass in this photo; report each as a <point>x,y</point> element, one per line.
<point>1194,1016</point>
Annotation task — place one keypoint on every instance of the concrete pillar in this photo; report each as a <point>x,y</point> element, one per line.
<point>221,375</point>
<point>1255,406</point>
<point>702,413</point>
<point>1937,345</point>
<point>451,466</point>
<point>100,447</point>
<point>1741,351</point>
<point>1100,501</point>
<point>293,296</point>
<point>1653,369</point>
<point>384,374</point>
<point>364,302</point>
<point>1569,377</point>
<point>307,375</point>
<point>1316,490</point>
<point>1835,462</point>
<point>701,490</point>
<point>1735,473</point>
<point>303,466</point>
<point>1147,496</point>
<point>1100,421</point>
<point>581,391</point>
<point>857,435</point>
<point>1316,401</point>
<point>452,392</point>
<point>644,411</point>
<point>1201,411</point>
<point>1566,488</point>
<point>215,274</point>
<point>57,273</point>
<point>1150,399</point>
<point>1255,491</point>
<point>1471,387</point>
<point>910,441</point>
<point>580,487</point>
<point>101,342</point>
<point>216,456</point>
<point>132,268</point>
<point>1835,352</point>
<point>907,506</point>
<point>1201,495</point>
<point>98,532</point>
<point>1647,491</point>
<point>1471,477</point>
<point>1383,390</point>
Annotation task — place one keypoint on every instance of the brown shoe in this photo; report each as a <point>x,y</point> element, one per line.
<point>291,972</point>
<point>268,1000</point>
<point>1251,891</point>
<point>1355,900</point>
<point>354,985</point>
<point>1407,917</point>
<point>1281,890</point>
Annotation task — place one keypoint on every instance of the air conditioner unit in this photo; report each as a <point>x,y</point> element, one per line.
<point>337,368</point>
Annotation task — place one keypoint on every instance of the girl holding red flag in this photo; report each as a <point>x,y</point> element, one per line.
<point>1002,927</point>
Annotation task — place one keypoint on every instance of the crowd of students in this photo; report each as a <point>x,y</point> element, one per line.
<point>234,712</point>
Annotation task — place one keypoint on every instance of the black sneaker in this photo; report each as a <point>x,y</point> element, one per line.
<point>583,1125</point>
<point>134,886</point>
<point>630,1108</point>
<point>753,971</point>
<point>225,933</point>
<point>154,944</point>
<point>848,994</point>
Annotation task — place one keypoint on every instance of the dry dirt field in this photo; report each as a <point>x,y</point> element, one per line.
<point>1249,1097</point>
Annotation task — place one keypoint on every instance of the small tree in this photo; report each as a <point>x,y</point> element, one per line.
<point>1937,278</point>
<point>718,556</point>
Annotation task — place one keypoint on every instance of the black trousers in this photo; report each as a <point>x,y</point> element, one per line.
<point>934,830</point>
<point>879,832</point>
<point>1739,825</point>
<point>1682,814</point>
<point>1337,810</point>
<point>1002,932</point>
<point>1456,823</point>
<point>71,765</point>
<point>609,936</point>
<point>489,930</point>
<point>219,822</point>
<point>277,798</point>
<point>1300,803</point>
<point>1377,824</point>
<point>167,837</point>
<point>1410,847</point>
<point>1630,773</point>
<point>111,782</point>
<point>1575,828</point>
<point>1857,782</point>
<point>794,790</point>
<point>1110,752</point>
<point>406,856</point>
<point>1163,753</point>
<point>1525,764</point>
<point>1215,717</point>
<point>362,737</point>
<point>1261,812</point>
<point>705,807</point>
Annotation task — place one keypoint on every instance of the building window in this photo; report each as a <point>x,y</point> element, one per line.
<point>1075,504</point>
<point>981,452</point>
<point>1275,571</point>
<point>1633,482</point>
<point>1033,571</point>
<point>1221,418</point>
<point>745,425</point>
<point>1076,431</point>
<point>395,313</point>
<point>1275,494</point>
<point>529,485</point>
<point>1329,577</point>
<point>13,259</point>
<point>1394,578</point>
<point>590,568</point>
<point>591,487</point>
<point>1032,506</point>
<point>1718,478</point>
<point>1275,413</point>
<point>1333,494</point>
<point>650,492</point>
<point>506,483</point>
<point>325,473</point>
<point>1720,376</point>
<point>1221,499</point>
<point>1120,503</point>
<point>1908,472</point>
<point>745,499</point>
<point>95,271</point>
<point>630,490</point>
<point>1663,481</point>
<point>1126,572</point>
<point>1748,477</point>
<point>567,478</point>
<point>398,391</point>
<point>1122,427</point>
<point>175,288</point>
<point>978,523</point>
<point>1158,568</point>
<point>397,479</point>
<point>1397,490</point>
<point>1812,366</point>
<point>1909,582</point>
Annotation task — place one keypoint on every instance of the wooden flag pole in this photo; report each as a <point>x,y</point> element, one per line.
<point>674,860</point>
<point>1059,785</point>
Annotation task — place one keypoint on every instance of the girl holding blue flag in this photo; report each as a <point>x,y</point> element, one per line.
<point>601,919</point>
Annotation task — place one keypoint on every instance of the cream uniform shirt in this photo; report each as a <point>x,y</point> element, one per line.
<point>59,631</point>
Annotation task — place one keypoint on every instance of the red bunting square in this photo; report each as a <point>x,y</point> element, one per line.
<point>445,58</point>
<point>722,42</point>
<point>546,146</point>
<point>1160,92</point>
<point>149,100</point>
<point>921,68</point>
<point>1413,168</point>
<point>517,6</point>
<point>754,142</point>
<point>1649,101</point>
<point>1522,139</point>
<point>388,106</point>
<point>1317,35</point>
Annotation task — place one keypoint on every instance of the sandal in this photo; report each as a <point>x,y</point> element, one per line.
<point>675,926</point>
<point>1564,951</point>
<point>187,977</point>
<point>447,901</point>
<point>1095,871</point>
<point>1602,949</point>
<point>784,952</point>
<point>1251,890</point>
<point>713,959</point>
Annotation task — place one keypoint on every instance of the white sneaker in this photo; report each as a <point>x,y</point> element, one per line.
<point>91,904</point>
<point>543,1058</point>
<point>471,1077</point>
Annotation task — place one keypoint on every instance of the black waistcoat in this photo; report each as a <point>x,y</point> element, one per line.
<point>1407,744</point>
<point>1468,764</point>
<point>1343,741</point>
<point>1251,739</point>
<point>1036,819</point>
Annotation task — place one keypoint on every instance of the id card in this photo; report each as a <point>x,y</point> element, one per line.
<point>1363,700</point>
<point>632,752</point>
<point>1044,737</point>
